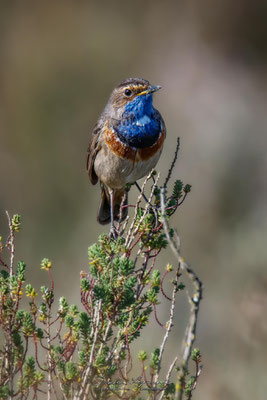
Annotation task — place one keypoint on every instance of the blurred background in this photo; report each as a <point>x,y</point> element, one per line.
<point>59,62</point>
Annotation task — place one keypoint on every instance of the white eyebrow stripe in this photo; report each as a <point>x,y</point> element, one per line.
<point>143,121</point>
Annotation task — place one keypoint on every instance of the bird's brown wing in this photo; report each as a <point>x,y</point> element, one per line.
<point>93,149</point>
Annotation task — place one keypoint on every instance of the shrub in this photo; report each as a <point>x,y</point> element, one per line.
<point>84,351</point>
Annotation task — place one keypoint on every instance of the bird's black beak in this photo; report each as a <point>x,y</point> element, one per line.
<point>153,89</point>
<point>150,90</point>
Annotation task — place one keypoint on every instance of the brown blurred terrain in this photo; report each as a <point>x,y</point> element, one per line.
<point>59,62</point>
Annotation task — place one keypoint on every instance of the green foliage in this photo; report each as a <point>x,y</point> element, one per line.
<point>21,271</point>
<point>154,363</point>
<point>4,392</point>
<point>142,355</point>
<point>170,389</point>
<point>196,356</point>
<point>71,371</point>
<point>177,191</point>
<point>16,222</point>
<point>87,349</point>
<point>189,387</point>
<point>84,324</point>
<point>181,286</point>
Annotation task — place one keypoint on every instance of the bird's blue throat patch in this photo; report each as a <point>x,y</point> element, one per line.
<point>140,124</point>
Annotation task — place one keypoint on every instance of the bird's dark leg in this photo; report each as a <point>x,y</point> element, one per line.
<point>112,232</point>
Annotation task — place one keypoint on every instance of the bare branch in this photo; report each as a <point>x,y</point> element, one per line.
<point>167,379</point>
<point>190,333</point>
<point>173,163</point>
<point>169,325</point>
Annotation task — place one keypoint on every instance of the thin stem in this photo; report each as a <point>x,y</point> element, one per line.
<point>172,164</point>
<point>168,376</point>
<point>86,386</point>
<point>49,358</point>
<point>140,190</point>
<point>9,356</point>
<point>11,244</point>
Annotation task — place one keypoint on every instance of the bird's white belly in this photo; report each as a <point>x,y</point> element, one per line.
<point>142,168</point>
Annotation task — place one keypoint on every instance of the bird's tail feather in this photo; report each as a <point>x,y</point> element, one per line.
<point>103,215</point>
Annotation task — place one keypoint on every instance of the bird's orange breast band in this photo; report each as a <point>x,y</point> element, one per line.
<point>124,151</point>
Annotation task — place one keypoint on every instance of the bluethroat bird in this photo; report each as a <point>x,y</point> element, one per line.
<point>125,145</point>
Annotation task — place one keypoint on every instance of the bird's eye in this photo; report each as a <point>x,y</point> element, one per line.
<point>127,92</point>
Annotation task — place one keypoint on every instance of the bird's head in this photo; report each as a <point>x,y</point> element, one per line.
<point>133,95</point>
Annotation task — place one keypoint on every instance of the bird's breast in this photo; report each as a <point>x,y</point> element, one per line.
<point>131,153</point>
<point>116,145</point>
<point>117,163</point>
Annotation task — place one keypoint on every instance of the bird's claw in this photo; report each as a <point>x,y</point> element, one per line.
<point>113,233</point>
